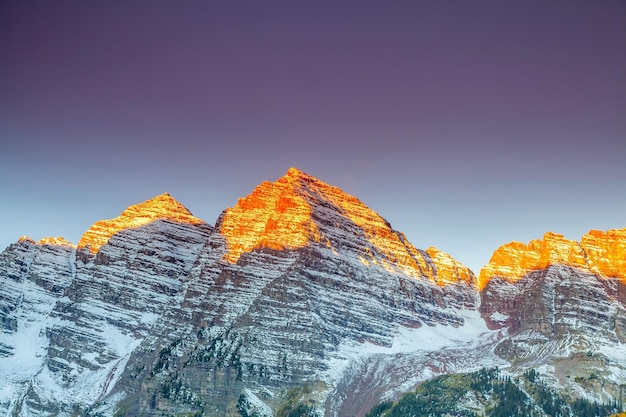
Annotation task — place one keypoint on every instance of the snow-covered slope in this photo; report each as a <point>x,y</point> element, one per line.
<point>71,317</point>
<point>34,279</point>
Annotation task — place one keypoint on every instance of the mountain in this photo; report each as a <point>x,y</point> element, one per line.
<point>300,299</point>
<point>72,315</point>
<point>562,303</point>
<point>298,279</point>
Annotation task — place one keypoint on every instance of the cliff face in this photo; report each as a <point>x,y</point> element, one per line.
<point>554,286</point>
<point>600,253</point>
<point>166,314</point>
<point>34,277</point>
<point>563,303</point>
<point>75,315</point>
<point>298,289</point>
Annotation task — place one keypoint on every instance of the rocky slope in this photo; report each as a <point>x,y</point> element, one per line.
<point>35,276</point>
<point>72,316</point>
<point>300,278</point>
<point>562,303</point>
<point>300,296</point>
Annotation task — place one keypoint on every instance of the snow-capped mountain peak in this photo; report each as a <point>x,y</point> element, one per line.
<point>300,210</point>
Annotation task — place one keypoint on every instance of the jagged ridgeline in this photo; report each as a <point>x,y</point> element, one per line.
<point>300,300</point>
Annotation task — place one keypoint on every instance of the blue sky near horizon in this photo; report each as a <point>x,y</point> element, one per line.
<point>465,124</point>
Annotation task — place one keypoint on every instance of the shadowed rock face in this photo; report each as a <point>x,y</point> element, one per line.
<point>556,302</point>
<point>299,284</point>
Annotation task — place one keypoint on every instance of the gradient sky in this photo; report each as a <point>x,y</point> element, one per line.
<point>466,124</point>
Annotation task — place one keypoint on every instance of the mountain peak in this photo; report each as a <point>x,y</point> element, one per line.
<point>294,172</point>
<point>602,253</point>
<point>275,215</point>
<point>285,214</point>
<point>26,239</point>
<point>300,210</point>
<point>161,207</point>
<point>295,176</point>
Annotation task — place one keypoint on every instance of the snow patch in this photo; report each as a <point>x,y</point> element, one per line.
<point>422,340</point>
<point>253,405</point>
<point>499,317</point>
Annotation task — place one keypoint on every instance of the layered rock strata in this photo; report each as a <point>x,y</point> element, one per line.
<point>554,286</point>
<point>76,315</point>
<point>562,303</point>
<point>298,270</point>
<point>299,288</point>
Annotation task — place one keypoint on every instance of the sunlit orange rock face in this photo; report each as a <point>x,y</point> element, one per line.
<point>55,241</point>
<point>162,207</point>
<point>449,269</point>
<point>602,253</point>
<point>273,216</point>
<point>50,241</point>
<point>606,252</point>
<point>299,210</point>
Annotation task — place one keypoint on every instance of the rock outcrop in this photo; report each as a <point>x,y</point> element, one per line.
<point>600,253</point>
<point>162,207</point>
<point>554,286</point>
<point>562,303</point>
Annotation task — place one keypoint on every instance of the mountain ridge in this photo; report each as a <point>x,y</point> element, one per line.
<point>600,252</point>
<point>298,286</point>
<point>161,207</point>
<point>590,253</point>
<point>264,229</point>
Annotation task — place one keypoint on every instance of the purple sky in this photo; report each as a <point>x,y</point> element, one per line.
<point>467,124</point>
